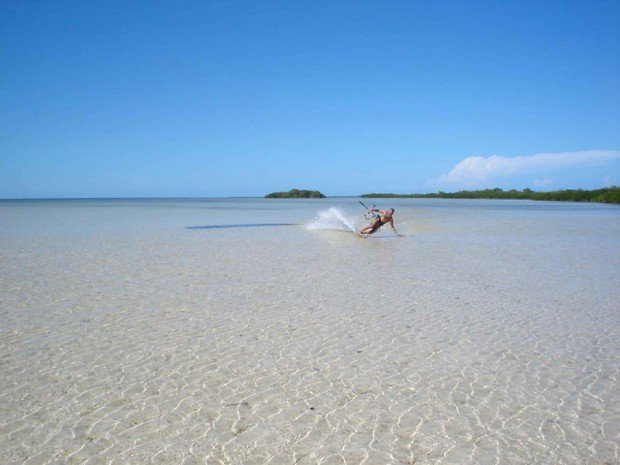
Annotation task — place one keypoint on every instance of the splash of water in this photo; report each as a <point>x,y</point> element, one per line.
<point>331,218</point>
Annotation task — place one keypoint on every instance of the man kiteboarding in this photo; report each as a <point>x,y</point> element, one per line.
<point>380,217</point>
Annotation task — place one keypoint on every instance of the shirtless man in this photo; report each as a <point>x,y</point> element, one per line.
<point>383,217</point>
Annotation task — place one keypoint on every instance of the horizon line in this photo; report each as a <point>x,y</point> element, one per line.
<point>173,198</point>
<point>281,198</point>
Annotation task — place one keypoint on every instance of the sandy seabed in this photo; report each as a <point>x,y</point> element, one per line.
<point>488,335</point>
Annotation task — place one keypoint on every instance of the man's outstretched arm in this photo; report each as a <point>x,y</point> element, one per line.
<point>394,228</point>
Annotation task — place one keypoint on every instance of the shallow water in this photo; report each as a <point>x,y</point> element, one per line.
<point>229,331</point>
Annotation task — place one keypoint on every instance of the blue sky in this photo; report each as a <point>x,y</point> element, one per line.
<point>226,98</point>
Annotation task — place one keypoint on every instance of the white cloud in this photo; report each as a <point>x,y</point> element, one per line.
<point>480,171</point>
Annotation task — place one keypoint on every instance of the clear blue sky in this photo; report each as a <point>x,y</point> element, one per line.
<point>225,98</point>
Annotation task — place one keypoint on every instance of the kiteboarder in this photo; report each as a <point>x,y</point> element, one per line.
<point>380,217</point>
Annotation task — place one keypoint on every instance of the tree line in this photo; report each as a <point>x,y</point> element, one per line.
<point>296,194</point>
<point>605,195</point>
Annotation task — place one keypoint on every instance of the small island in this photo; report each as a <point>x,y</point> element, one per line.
<point>296,194</point>
<point>605,195</point>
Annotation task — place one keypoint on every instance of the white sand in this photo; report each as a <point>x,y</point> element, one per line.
<point>488,336</point>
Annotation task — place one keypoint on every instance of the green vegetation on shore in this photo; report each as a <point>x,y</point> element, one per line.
<point>605,195</point>
<point>296,194</point>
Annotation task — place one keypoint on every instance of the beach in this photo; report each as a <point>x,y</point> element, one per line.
<point>259,331</point>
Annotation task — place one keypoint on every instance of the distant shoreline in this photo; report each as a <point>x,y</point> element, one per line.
<point>296,194</point>
<point>605,195</point>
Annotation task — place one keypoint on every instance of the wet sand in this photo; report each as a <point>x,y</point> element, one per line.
<point>130,333</point>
